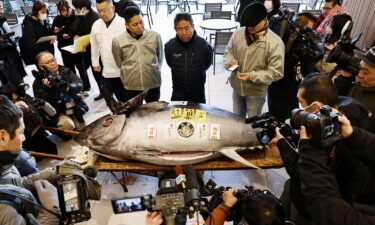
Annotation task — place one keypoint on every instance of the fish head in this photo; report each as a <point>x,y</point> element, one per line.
<point>102,132</point>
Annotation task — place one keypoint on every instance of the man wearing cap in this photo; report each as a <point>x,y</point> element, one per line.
<point>259,54</point>
<point>361,88</point>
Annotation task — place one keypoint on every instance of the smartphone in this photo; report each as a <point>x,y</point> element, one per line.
<point>234,67</point>
<point>128,204</point>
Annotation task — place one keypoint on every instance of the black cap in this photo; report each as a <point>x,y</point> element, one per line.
<point>368,57</point>
<point>253,14</point>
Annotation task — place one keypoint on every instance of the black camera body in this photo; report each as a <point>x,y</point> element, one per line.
<point>324,126</point>
<point>73,199</point>
<point>268,124</point>
<point>55,81</point>
<point>343,54</point>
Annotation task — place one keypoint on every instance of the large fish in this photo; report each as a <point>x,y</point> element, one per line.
<point>170,134</point>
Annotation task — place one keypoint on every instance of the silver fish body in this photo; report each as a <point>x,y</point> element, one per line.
<point>169,134</point>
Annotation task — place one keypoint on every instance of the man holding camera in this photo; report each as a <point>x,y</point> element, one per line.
<point>363,88</point>
<point>60,87</point>
<point>11,183</point>
<point>355,179</point>
<point>325,202</point>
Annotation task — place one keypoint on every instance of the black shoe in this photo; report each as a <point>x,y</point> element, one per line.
<point>100,96</point>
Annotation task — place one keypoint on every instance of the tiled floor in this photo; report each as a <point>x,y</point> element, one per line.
<point>218,93</point>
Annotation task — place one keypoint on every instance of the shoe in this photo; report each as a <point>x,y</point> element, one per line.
<point>97,98</point>
<point>86,93</point>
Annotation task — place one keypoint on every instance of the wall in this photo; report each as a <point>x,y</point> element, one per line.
<point>363,14</point>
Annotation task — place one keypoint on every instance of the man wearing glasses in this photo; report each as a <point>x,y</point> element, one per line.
<point>327,7</point>
<point>59,86</point>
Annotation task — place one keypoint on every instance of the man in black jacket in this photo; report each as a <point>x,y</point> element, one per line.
<point>59,86</point>
<point>325,202</point>
<point>189,56</point>
<point>355,180</point>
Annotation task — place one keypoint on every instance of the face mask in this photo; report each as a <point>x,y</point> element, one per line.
<point>7,157</point>
<point>268,5</point>
<point>329,30</point>
<point>43,16</point>
<point>82,13</point>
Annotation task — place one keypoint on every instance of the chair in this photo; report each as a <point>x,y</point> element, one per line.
<point>26,10</point>
<point>157,3</point>
<point>221,42</point>
<point>311,4</point>
<point>148,13</point>
<point>12,18</point>
<point>177,4</point>
<point>211,7</point>
<point>227,15</point>
<point>292,6</point>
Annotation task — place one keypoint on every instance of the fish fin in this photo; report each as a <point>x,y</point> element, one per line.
<point>118,107</point>
<point>231,153</point>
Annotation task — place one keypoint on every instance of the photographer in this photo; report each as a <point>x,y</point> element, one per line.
<point>361,88</point>
<point>354,179</point>
<point>11,137</point>
<point>325,202</point>
<point>60,87</point>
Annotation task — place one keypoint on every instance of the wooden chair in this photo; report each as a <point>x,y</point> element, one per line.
<point>12,18</point>
<point>292,6</point>
<point>221,43</point>
<point>211,7</point>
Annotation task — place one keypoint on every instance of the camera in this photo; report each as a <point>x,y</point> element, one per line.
<point>324,126</point>
<point>267,124</point>
<point>55,81</point>
<point>74,189</point>
<point>236,213</point>
<point>128,204</point>
<point>343,54</point>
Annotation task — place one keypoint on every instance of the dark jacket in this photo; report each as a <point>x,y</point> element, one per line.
<point>365,95</point>
<point>324,201</point>
<point>53,95</point>
<point>188,62</point>
<point>65,22</point>
<point>82,26</point>
<point>355,180</point>
<point>32,30</point>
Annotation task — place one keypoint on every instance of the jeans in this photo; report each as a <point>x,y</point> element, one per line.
<point>250,105</point>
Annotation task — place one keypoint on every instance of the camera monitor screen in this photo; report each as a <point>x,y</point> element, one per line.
<point>71,197</point>
<point>127,204</point>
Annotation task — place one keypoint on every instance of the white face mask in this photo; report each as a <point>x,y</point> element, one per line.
<point>268,5</point>
<point>43,16</point>
<point>82,12</point>
<point>329,30</point>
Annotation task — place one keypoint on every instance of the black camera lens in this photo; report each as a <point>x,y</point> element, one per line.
<point>302,118</point>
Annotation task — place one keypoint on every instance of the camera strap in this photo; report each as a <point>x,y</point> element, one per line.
<point>93,187</point>
<point>332,155</point>
<point>292,38</point>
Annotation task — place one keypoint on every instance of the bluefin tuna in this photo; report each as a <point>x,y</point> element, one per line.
<point>170,134</point>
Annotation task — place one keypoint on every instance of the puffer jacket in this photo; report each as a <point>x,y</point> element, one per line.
<point>139,60</point>
<point>263,58</point>
<point>188,64</point>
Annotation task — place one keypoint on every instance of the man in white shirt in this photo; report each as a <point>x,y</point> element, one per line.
<point>102,32</point>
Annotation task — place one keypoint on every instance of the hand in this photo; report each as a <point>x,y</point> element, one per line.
<point>46,82</point>
<point>154,218</point>
<point>243,76</point>
<point>345,73</point>
<point>47,194</point>
<point>53,40</point>
<point>277,137</point>
<point>303,133</point>
<point>346,128</point>
<point>22,104</point>
<point>76,36</point>
<point>97,68</point>
<point>228,198</point>
<point>56,29</point>
<point>233,62</point>
<point>66,36</point>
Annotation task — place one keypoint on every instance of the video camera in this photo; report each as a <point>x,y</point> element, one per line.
<point>308,43</point>
<point>75,188</point>
<point>324,126</point>
<point>343,54</point>
<point>267,124</point>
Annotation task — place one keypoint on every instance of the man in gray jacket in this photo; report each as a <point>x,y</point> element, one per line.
<point>138,53</point>
<point>259,54</point>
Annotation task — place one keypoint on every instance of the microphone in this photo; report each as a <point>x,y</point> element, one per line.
<point>191,177</point>
<point>48,108</point>
<point>181,178</point>
<point>192,196</point>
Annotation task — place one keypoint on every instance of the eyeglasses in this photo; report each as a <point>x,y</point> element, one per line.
<point>327,8</point>
<point>50,62</point>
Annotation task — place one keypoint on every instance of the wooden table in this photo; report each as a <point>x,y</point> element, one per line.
<point>268,158</point>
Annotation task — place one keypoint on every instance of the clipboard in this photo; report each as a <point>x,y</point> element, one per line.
<point>46,38</point>
<point>79,44</point>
